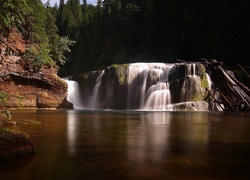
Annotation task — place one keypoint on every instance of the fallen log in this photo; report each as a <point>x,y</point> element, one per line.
<point>233,93</point>
<point>244,71</point>
<point>228,104</point>
<point>242,86</point>
<point>219,103</point>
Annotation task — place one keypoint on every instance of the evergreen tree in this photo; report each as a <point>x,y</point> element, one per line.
<point>121,31</point>
<point>36,21</point>
<point>11,14</point>
<point>75,14</point>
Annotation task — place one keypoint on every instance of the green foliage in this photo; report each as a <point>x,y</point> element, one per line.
<point>11,14</point>
<point>124,31</point>
<point>62,48</point>
<point>3,96</point>
<point>37,23</point>
<point>42,58</point>
<point>38,58</point>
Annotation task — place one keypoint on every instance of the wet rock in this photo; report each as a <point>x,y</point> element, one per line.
<point>14,145</point>
<point>191,106</point>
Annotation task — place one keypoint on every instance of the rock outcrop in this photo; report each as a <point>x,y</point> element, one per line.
<point>23,87</point>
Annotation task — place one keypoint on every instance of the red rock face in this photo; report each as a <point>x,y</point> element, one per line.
<point>31,91</point>
<point>22,87</point>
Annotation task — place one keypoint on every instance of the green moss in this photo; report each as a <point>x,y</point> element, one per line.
<point>3,98</point>
<point>203,77</point>
<point>114,65</point>
<point>204,82</point>
<point>197,97</point>
<point>14,145</point>
<point>28,122</point>
<point>121,71</point>
<point>8,134</point>
<point>122,79</point>
<point>3,94</point>
<point>7,114</point>
<point>61,81</point>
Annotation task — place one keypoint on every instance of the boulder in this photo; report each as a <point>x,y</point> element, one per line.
<point>14,145</point>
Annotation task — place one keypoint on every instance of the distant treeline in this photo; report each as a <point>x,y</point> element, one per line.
<point>123,31</point>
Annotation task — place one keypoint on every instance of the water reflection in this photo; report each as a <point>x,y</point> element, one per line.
<point>71,132</point>
<point>155,134</point>
<point>134,145</point>
<point>149,140</point>
<point>157,118</point>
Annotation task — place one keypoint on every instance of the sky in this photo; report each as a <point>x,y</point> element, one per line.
<point>52,2</point>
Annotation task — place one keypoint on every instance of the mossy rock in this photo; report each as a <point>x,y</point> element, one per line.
<point>3,98</point>
<point>121,71</point>
<point>20,122</point>
<point>5,114</point>
<point>28,122</point>
<point>14,145</point>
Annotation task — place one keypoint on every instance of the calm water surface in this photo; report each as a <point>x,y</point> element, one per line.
<point>76,144</point>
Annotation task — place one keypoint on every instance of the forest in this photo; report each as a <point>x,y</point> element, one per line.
<point>126,31</point>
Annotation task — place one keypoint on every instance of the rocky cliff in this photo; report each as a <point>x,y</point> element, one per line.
<point>22,86</point>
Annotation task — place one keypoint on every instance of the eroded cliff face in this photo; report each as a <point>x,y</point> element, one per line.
<point>23,87</point>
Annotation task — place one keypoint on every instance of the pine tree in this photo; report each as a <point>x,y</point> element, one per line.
<point>11,14</point>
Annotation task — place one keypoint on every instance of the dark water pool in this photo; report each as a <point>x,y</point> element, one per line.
<point>77,144</point>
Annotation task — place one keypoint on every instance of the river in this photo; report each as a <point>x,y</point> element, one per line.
<point>79,144</point>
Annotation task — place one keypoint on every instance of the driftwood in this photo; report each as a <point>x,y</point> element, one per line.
<point>211,94</point>
<point>241,85</point>
<point>234,94</point>
<point>244,71</point>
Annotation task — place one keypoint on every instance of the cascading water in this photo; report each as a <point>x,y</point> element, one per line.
<point>137,77</point>
<point>74,94</point>
<point>148,86</point>
<point>159,97</point>
<point>94,99</point>
<point>191,85</point>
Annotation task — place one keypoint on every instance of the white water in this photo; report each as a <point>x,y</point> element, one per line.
<point>148,88</point>
<point>94,99</point>
<point>159,97</point>
<point>74,94</point>
<point>151,93</point>
<point>191,84</point>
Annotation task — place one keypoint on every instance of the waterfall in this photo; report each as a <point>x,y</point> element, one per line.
<point>191,85</point>
<point>159,97</point>
<point>74,94</point>
<point>94,99</point>
<point>148,85</point>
